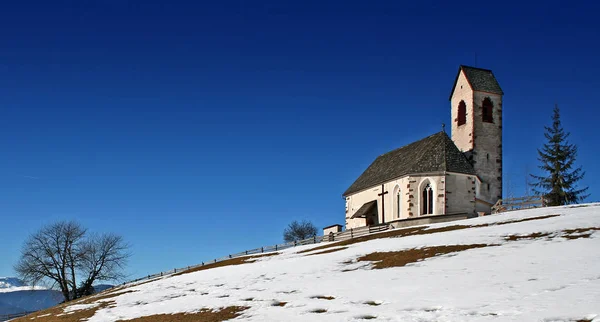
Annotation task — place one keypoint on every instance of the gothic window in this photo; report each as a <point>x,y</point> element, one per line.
<point>462,113</point>
<point>398,204</point>
<point>487,110</point>
<point>427,200</point>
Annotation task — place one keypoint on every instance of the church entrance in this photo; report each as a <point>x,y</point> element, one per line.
<point>372,219</point>
<point>368,211</point>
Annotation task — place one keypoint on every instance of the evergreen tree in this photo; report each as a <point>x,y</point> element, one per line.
<point>557,157</point>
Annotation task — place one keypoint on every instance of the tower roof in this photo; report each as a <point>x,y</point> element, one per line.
<point>480,80</point>
<point>435,153</point>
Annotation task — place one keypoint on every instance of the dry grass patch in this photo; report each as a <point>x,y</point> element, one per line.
<point>95,298</point>
<point>579,232</point>
<point>322,297</point>
<point>529,236</point>
<point>204,315</point>
<point>366,317</point>
<point>318,311</point>
<point>422,230</point>
<point>373,303</point>
<point>386,234</point>
<point>278,303</point>
<point>228,262</point>
<point>401,258</point>
<point>328,251</point>
<point>57,314</point>
<point>567,234</point>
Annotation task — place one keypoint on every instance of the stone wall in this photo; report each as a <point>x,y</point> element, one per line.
<point>487,150</point>
<point>462,135</point>
<point>460,193</point>
<point>410,197</point>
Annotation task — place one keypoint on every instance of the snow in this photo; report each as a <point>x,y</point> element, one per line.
<point>547,279</point>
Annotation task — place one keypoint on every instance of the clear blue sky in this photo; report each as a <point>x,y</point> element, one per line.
<point>198,129</point>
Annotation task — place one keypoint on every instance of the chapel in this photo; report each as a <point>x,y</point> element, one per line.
<point>439,175</point>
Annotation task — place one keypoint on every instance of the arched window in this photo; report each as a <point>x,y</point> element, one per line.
<point>487,110</point>
<point>462,113</point>
<point>427,200</point>
<point>398,204</point>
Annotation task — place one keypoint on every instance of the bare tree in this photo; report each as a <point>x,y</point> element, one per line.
<point>103,258</point>
<point>63,253</point>
<point>298,231</point>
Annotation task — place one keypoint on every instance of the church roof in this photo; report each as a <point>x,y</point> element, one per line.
<point>480,80</point>
<point>434,153</point>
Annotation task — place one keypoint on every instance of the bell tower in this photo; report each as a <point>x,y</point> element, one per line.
<point>476,105</point>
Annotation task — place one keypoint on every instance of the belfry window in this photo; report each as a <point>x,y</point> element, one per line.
<point>487,110</point>
<point>462,113</point>
<point>427,200</point>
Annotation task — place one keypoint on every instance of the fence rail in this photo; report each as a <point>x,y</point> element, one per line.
<point>340,236</point>
<point>518,203</point>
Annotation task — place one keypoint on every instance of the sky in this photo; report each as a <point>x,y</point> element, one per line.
<point>200,129</point>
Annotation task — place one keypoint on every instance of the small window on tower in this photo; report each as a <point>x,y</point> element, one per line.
<point>462,113</point>
<point>487,110</point>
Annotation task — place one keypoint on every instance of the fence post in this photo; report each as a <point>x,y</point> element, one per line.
<point>314,239</point>
<point>351,232</point>
<point>275,247</point>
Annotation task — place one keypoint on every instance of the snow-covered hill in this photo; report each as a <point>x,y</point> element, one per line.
<point>534,265</point>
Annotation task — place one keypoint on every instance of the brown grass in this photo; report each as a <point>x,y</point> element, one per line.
<point>372,303</point>
<point>413,231</point>
<point>328,251</point>
<point>95,298</point>
<point>401,258</point>
<point>318,311</point>
<point>204,315</point>
<point>57,313</point>
<point>228,262</point>
<point>567,234</point>
<point>530,236</point>
<point>386,234</point>
<point>322,297</point>
<point>367,317</point>
<point>579,232</point>
<point>277,303</point>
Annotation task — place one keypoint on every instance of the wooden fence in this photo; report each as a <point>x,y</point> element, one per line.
<point>518,204</point>
<point>344,235</point>
<point>340,236</point>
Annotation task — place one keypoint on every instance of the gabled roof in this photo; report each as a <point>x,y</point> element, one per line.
<point>435,153</point>
<point>480,80</point>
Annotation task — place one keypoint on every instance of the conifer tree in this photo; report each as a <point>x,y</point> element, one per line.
<point>557,157</point>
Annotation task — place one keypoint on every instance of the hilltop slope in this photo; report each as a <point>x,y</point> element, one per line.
<point>533,265</point>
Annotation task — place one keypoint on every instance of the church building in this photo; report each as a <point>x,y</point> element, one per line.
<point>439,175</point>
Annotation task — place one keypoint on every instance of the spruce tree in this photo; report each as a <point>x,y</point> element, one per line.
<point>557,157</point>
